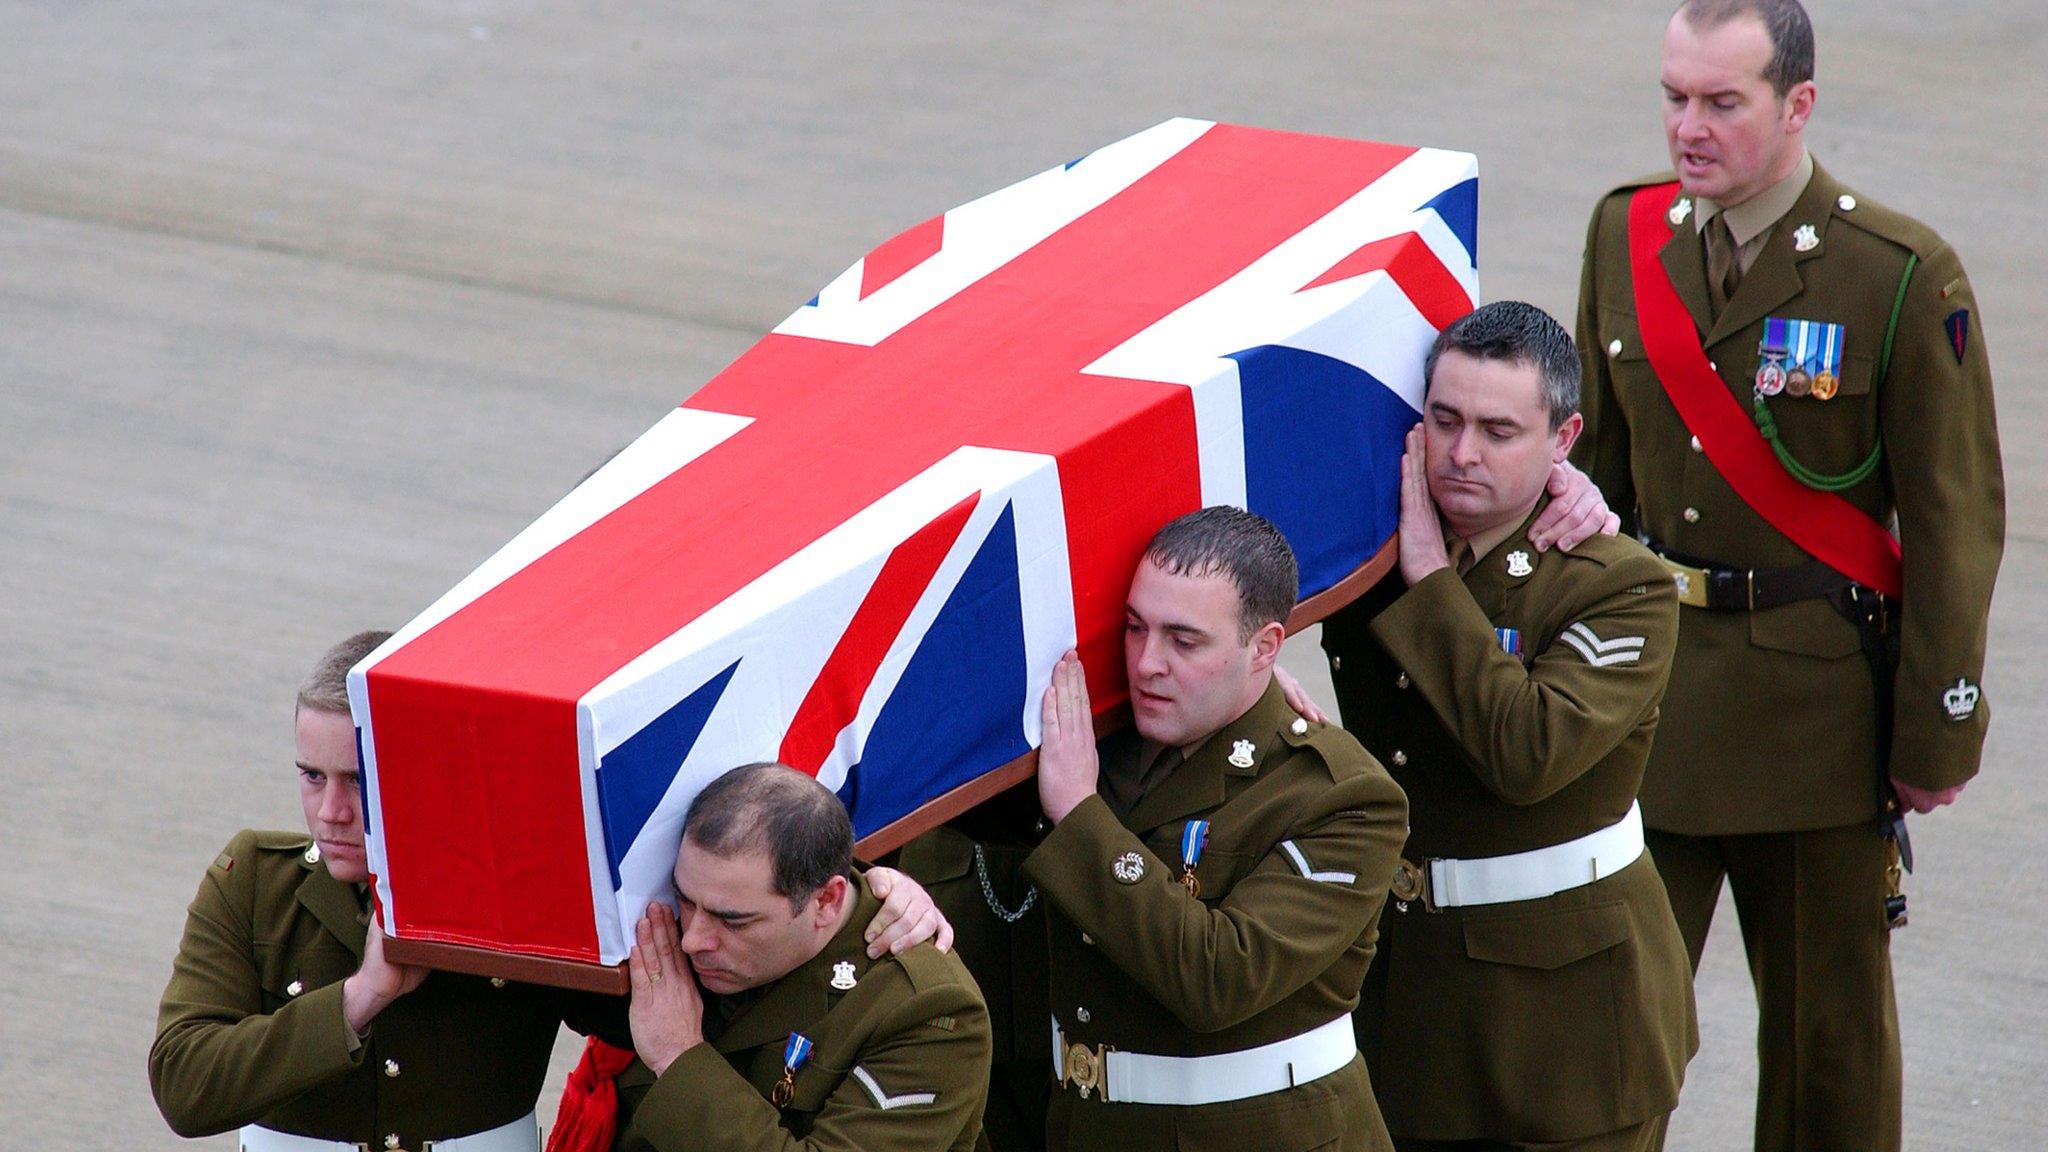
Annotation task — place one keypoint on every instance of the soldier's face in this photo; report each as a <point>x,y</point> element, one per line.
<point>1730,134</point>
<point>331,790</point>
<point>738,932</point>
<point>1190,674</point>
<point>1487,441</point>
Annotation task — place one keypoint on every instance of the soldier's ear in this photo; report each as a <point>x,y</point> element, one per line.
<point>1799,106</point>
<point>1567,435</point>
<point>1266,643</point>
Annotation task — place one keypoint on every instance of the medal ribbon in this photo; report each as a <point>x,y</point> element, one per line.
<point>1510,640</point>
<point>1194,836</point>
<point>1828,527</point>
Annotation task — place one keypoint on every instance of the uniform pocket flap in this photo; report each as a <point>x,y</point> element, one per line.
<point>1807,628</point>
<point>1548,940</point>
<point>1620,337</point>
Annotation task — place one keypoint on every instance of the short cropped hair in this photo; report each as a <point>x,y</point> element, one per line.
<point>1244,546</point>
<point>326,687</point>
<point>1784,21</point>
<point>1521,334</point>
<point>776,810</point>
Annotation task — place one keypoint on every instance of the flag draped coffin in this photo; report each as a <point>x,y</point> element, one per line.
<point>860,549</point>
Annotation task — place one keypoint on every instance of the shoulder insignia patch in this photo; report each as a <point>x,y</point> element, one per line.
<point>1602,653</point>
<point>1958,328</point>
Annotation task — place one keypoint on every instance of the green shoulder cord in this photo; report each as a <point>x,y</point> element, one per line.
<point>1854,476</point>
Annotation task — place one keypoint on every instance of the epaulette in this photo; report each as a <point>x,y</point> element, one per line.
<point>928,968</point>
<point>1335,748</point>
<point>1887,224</point>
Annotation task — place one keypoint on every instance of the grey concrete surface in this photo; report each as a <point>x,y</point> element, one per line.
<point>304,308</point>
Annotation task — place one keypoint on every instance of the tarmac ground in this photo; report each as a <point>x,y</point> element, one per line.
<point>305,309</point>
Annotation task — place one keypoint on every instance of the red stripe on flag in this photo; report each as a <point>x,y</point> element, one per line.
<point>835,696</point>
<point>1412,264</point>
<point>900,254</point>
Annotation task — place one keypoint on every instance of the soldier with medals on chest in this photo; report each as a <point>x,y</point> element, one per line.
<point>1213,878</point>
<point>760,1012</point>
<point>1531,987</point>
<point>1788,398</point>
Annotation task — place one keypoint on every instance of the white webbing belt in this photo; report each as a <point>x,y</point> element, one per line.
<point>1541,871</point>
<point>521,1135</point>
<point>1140,1078</point>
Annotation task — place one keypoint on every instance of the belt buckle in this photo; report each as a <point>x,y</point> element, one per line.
<point>1411,885</point>
<point>1692,582</point>
<point>1085,1068</point>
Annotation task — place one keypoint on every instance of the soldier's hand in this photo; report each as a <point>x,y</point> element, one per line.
<point>1067,767</point>
<point>909,916</point>
<point>1297,697</point>
<point>667,1012</point>
<point>1422,534</point>
<point>1577,511</point>
<point>377,983</point>
<point>1923,800</point>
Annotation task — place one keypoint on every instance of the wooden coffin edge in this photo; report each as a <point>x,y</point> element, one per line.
<point>586,977</point>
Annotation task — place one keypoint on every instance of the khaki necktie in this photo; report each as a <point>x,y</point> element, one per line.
<point>1724,264</point>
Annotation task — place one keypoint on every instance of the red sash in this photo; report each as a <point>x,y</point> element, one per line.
<point>1834,531</point>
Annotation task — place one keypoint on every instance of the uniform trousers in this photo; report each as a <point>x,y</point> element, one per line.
<point>1635,1138</point>
<point>1811,907</point>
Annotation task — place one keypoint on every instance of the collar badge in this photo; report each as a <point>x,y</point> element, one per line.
<point>1242,754</point>
<point>1518,564</point>
<point>1805,239</point>
<point>1680,211</point>
<point>842,975</point>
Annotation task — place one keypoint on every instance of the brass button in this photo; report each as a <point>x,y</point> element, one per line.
<point>1692,515</point>
<point>1087,939</point>
<point>1399,758</point>
<point>1401,681</point>
<point>1696,445</point>
<point>1336,663</point>
<point>1846,202</point>
<point>1082,1015</point>
<point>1614,347</point>
<point>497,981</point>
<point>391,1141</point>
<point>391,1069</point>
<point>294,988</point>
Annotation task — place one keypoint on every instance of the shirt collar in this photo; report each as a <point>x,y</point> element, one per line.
<point>1754,216</point>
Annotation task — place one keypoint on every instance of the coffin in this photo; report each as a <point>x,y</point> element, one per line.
<point>861,547</point>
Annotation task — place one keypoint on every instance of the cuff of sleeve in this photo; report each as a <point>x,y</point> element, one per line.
<point>346,1048</point>
<point>1070,865</point>
<point>699,1093</point>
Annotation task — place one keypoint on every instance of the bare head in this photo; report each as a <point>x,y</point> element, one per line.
<point>330,778</point>
<point>1738,90</point>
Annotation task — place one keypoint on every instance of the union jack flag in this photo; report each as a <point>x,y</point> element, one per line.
<point>861,548</point>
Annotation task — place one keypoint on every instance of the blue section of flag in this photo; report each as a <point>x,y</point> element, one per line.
<point>1458,208</point>
<point>363,778</point>
<point>954,713</point>
<point>1193,836</point>
<point>632,778</point>
<point>1322,451</point>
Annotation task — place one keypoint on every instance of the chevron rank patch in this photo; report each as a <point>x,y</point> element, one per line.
<point>883,1100</point>
<point>1602,653</point>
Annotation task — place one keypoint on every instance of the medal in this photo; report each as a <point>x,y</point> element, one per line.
<point>1827,380</point>
<point>1797,382</point>
<point>1770,377</point>
<point>1770,367</point>
<point>794,1053</point>
<point>1193,837</point>
<point>1825,386</point>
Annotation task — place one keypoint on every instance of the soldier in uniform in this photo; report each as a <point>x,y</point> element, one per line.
<point>805,1040</point>
<point>1213,876</point>
<point>1817,673</point>
<point>1531,986</point>
<point>283,1018</point>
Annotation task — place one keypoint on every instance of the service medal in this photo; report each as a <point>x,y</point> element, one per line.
<point>1770,378</point>
<point>794,1053</point>
<point>1825,386</point>
<point>1797,383</point>
<point>1193,837</point>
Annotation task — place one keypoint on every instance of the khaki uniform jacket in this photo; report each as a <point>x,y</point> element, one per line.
<point>1793,678</point>
<point>1549,1019</point>
<point>1301,849</point>
<point>901,1060</point>
<point>251,1031</point>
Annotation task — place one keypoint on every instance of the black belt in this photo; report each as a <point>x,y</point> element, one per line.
<point>1719,588</point>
